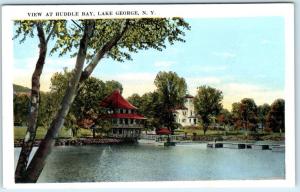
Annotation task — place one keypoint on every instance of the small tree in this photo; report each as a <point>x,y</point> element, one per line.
<point>208,104</point>
<point>224,118</point>
<point>262,112</point>
<point>245,114</point>
<point>171,90</point>
<point>275,117</point>
<point>21,106</point>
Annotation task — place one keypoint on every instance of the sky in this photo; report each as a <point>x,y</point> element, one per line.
<point>242,57</point>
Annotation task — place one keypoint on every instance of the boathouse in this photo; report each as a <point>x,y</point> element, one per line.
<point>125,120</point>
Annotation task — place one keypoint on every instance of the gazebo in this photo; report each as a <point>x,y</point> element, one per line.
<point>125,121</point>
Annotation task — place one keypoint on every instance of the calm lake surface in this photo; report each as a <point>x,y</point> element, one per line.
<point>144,162</point>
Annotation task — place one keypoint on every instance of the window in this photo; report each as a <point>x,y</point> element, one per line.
<point>183,120</point>
<point>191,113</point>
<point>131,121</point>
<point>114,131</point>
<point>120,131</point>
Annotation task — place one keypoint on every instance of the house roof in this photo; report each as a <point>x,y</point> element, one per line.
<point>115,100</point>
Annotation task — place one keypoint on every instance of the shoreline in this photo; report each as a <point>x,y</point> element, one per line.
<point>118,141</point>
<point>78,141</point>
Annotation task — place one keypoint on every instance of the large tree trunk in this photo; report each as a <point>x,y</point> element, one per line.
<point>37,164</point>
<point>34,106</point>
<point>205,127</point>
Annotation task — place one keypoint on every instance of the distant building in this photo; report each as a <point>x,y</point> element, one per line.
<point>126,122</point>
<point>185,115</point>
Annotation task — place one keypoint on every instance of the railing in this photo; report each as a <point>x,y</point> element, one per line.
<point>127,126</point>
<point>165,137</point>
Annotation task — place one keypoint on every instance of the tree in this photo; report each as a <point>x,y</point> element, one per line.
<point>171,90</point>
<point>151,108</point>
<point>112,85</point>
<point>245,114</point>
<point>236,116</point>
<point>224,118</point>
<point>95,39</point>
<point>208,104</point>
<point>275,117</point>
<point>21,105</point>
<point>45,31</point>
<point>37,163</point>
<point>86,104</point>
<point>136,100</point>
<point>262,112</point>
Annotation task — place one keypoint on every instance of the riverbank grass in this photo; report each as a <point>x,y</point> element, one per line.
<point>19,133</point>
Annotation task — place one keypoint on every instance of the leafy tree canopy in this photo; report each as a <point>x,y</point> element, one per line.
<point>276,116</point>
<point>208,104</point>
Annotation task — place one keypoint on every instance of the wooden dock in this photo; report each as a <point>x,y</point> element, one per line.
<point>240,145</point>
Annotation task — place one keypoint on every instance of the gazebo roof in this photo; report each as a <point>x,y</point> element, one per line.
<point>115,100</point>
<point>163,131</point>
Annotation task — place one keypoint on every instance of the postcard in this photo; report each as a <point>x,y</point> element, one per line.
<point>183,95</point>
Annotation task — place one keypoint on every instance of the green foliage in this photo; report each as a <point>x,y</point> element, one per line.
<point>245,114</point>
<point>208,104</point>
<point>135,99</point>
<point>20,89</point>
<point>150,107</point>
<point>171,90</point>
<point>262,112</point>
<point>89,96</point>
<point>224,118</point>
<point>111,86</point>
<point>21,109</point>
<point>52,29</point>
<point>275,117</point>
<point>85,106</point>
<point>141,34</point>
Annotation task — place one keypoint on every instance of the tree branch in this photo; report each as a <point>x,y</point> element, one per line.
<point>103,50</point>
<point>77,25</point>
<point>51,32</point>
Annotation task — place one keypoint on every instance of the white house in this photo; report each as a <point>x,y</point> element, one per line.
<point>185,115</point>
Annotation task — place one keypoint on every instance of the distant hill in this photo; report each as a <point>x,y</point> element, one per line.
<point>21,89</point>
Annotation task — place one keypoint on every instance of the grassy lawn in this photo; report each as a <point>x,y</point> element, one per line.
<point>199,132</point>
<point>19,133</point>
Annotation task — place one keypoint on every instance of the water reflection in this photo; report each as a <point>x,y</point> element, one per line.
<point>158,163</point>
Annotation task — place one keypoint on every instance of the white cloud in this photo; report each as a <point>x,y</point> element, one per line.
<point>225,54</point>
<point>134,82</point>
<point>164,64</point>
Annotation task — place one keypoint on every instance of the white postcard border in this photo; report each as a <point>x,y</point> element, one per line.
<point>190,10</point>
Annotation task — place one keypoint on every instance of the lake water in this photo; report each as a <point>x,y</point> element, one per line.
<point>144,162</point>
